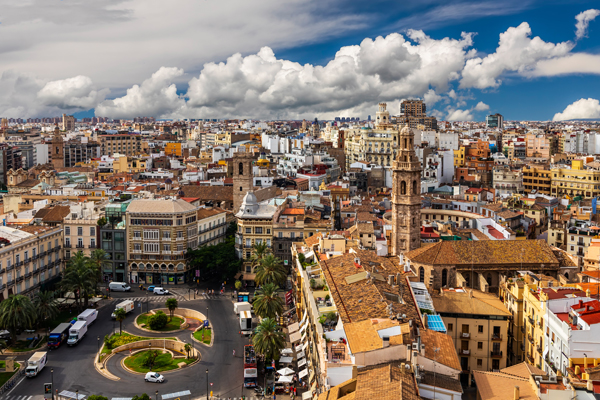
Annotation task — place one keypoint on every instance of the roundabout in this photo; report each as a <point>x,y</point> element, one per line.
<point>144,361</point>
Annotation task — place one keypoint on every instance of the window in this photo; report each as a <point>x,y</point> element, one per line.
<point>258,230</point>
<point>179,247</point>
<point>479,345</point>
<point>248,242</point>
<point>151,247</point>
<point>80,242</point>
<point>151,234</point>
<point>479,362</point>
<point>79,231</point>
<point>18,258</point>
<point>444,277</point>
<point>137,234</point>
<point>480,328</point>
<point>450,327</point>
<point>465,328</point>
<point>166,247</point>
<point>93,243</point>
<point>167,235</point>
<point>67,230</point>
<point>92,231</point>
<point>179,222</point>
<point>421,274</point>
<point>269,242</point>
<point>268,231</point>
<point>248,230</point>
<point>280,235</point>
<point>137,246</point>
<point>179,234</point>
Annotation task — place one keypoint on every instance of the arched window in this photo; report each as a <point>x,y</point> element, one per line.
<point>241,169</point>
<point>444,277</point>
<point>405,143</point>
<point>421,274</point>
<point>567,275</point>
<point>415,187</point>
<point>403,187</point>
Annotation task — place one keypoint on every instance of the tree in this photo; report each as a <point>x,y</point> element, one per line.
<point>79,277</point>
<point>96,397</point>
<point>102,221</point>
<point>188,348</point>
<point>171,304</point>
<point>259,251</point>
<point>268,339</point>
<point>45,306</point>
<point>270,270</point>
<point>120,315</point>
<point>238,285</point>
<point>3,345</point>
<point>219,261</point>
<point>141,397</point>
<point>157,321</point>
<point>149,359</point>
<point>16,312</point>
<point>99,259</point>
<point>267,304</point>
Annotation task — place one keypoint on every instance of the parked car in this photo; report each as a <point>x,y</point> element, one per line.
<point>154,377</point>
<point>160,291</point>
<point>151,288</point>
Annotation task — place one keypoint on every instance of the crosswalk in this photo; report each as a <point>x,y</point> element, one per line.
<point>22,397</point>
<point>179,297</point>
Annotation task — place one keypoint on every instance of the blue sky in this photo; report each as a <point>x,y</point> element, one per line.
<point>270,59</point>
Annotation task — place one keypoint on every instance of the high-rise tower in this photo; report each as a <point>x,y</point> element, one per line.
<point>406,196</point>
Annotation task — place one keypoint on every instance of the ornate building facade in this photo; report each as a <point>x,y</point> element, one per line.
<point>406,196</point>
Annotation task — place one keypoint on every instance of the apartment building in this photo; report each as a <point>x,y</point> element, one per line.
<point>81,229</point>
<point>375,146</point>
<point>158,234</point>
<point>575,181</point>
<point>536,179</point>
<point>537,146</point>
<point>288,227</point>
<point>579,239</point>
<point>80,151</point>
<point>113,239</point>
<point>511,294</point>
<point>478,323</point>
<point>212,226</point>
<point>29,258</point>
<point>129,164</point>
<point>507,181</point>
<point>459,157</point>
<point>129,144</point>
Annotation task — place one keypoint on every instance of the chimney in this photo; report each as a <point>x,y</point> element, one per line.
<point>354,371</point>
<point>517,395</point>
<point>585,362</point>
<point>402,367</point>
<point>401,258</point>
<point>398,278</point>
<point>386,341</point>
<point>390,280</point>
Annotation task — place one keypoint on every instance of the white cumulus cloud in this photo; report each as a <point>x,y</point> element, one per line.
<point>516,52</point>
<point>77,92</point>
<point>156,96</point>
<point>459,115</point>
<point>581,109</point>
<point>481,106</point>
<point>583,22</point>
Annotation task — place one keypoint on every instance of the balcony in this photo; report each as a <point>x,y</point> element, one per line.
<point>530,319</point>
<point>539,348</point>
<point>530,338</point>
<point>496,354</point>
<point>27,260</point>
<point>27,275</point>
<point>43,253</point>
<point>57,248</point>
<point>80,246</point>
<point>2,287</point>
<point>530,359</point>
<point>496,337</point>
<point>10,283</point>
<point>68,245</point>
<point>464,352</point>
<point>136,251</point>
<point>522,329</point>
<point>19,278</point>
<point>35,256</point>
<point>19,263</point>
<point>92,246</point>
<point>465,335</point>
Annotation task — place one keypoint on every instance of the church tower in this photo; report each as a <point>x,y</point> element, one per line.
<point>243,177</point>
<point>406,196</point>
<point>58,148</point>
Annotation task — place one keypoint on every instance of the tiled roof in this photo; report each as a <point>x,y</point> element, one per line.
<point>478,303</point>
<point>523,370</point>
<point>205,193</point>
<point>486,252</point>
<point>57,214</point>
<point>160,206</point>
<point>501,385</point>
<point>441,381</point>
<point>446,355</point>
<point>209,212</point>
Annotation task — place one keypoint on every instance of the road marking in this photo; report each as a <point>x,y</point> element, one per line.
<point>14,387</point>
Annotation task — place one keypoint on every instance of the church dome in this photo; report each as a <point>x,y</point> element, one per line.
<point>249,203</point>
<point>406,131</point>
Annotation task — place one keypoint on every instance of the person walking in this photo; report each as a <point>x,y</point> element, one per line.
<point>234,352</point>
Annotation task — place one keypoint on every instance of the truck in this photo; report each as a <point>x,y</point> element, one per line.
<point>58,335</point>
<point>36,363</point>
<point>241,306</point>
<point>126,305</point>
<point>77,332</point>
<point>246,322</point>
<point>88,316</point>
<point>250,377</point>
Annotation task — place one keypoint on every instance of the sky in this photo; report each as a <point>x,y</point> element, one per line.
<point>267,59</point>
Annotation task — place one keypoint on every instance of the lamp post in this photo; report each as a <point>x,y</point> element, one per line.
<point>147,310</point>
<point>156,395</point>
<point>77,394</point>
<point>52,380</point>
<point>207,314</point>
<point>98,348</point>
<point>207,384</point>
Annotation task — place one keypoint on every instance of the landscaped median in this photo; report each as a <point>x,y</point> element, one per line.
<point>5,376</point>
<point>156,360</point>
<point>203,335</point>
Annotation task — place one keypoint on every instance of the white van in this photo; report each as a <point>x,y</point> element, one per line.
<point>161,291</point>
<point>119,287</point>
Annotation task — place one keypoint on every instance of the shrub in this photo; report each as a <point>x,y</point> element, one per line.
<point>97,397</point>
<point>141,397</point>
<point>158,320</point>
<point>109,341</point>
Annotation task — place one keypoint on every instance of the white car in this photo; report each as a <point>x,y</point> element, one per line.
<point>159,290</point>
<point>154,377</point>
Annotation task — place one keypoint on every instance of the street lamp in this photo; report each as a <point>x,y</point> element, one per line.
<point>77,394</point>
<point>147,310</point>
<point>52,380</point>
<point>98,348</point>
<point>156,393</point>
<point>207,384</point>
<point>207,314</point>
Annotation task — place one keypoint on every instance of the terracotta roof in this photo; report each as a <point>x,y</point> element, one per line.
<point>365,228</point>
<point>523,370</point>
<point>206,193</point>
<point>312,240</point>
<point>501,386</point>
<point>28,183</point>
<point>478,303</point>
<point>441,381</point>
<point>57,214</point>
<point>446,355</point>
<point>293,211</point>
<point>209,212</point>
<point>486,252</point>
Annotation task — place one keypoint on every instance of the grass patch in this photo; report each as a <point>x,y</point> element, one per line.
<point>23,345</point>
<point>173,325</point>
<point>164,362</point>
<point>207,334</point>
<point>5,376</point>
<point>117,340</point>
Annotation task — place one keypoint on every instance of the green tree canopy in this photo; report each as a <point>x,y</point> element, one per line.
<point>17,312</point>
<point>267,303</point>
<point>270,269</point>
<point>172,305</point>
<point>268,339</point>
<point>120,315</point>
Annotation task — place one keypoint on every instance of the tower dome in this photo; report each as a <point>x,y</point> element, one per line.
<point>249,204</point>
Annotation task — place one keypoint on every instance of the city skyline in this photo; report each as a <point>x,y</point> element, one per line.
<point>527,60</point>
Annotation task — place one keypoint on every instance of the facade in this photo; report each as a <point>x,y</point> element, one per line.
<point>478,324</point>
<point>10,158</point>
<point>113,239</point>
<point>242,176</point>
<point>80,230</point>
<point>77,151</point>
<point>575,181</point>
<point>507,181</point>
<point>494,121</point>
<point>158,234</point>
<point>288,227</point>
<point>406,198</point>
<point>511,294</point>
<point>129,144</point>
<point>537,146</point>
<point>30,258</point>
<point>68,122</point>
<point>212,226</point>
<point>536,179</point>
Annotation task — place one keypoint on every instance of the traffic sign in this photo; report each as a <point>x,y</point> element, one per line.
<point>47,390</point>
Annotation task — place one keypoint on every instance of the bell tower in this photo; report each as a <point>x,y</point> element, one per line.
<point>243,161</point>
<point>58,148</point>
<point>406,196</point>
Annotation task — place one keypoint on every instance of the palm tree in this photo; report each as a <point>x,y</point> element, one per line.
<point>259,251</point>
<point>120,315</point>
<point>188,348</point>
<point>267,304</point>
<point>16,312</point>
<point>99,260</point>
<point>268,339</point>
<point>45,306</point>
<point>270,270</point>
<point>171,304</point>
<point>79,277</point>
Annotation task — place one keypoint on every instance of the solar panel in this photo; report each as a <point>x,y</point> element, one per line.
<point>435,323</point>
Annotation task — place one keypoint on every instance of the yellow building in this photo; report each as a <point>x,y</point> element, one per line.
<point>173,149</point>
<point>511,294</point>
<point>459,157</point>
<point>537,179</point>
<point>128,164</point>
<point>575,181</point>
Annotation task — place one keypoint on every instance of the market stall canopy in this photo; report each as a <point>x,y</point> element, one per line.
<point>294,337</point>
<point>285,371</point>
<point>293,327</point>
<point>287,351</point>
<point>286,360</point>
<point>303,373</point>
<point>285,379</point>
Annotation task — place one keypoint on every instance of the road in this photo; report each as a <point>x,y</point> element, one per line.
<point>74,369</point>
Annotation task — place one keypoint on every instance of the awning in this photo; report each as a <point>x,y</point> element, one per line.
<point>304,317</point>
<point>293,327</point>
<point>304,345</point>
<point>303,327</point>
<point>248,277</point>
<point>72,395</point>
<point>287,351</point>
<point>307,395</point>
<point>300,355</point>
<point>286,360</point>
<point>294,337</point>
<point>302,362</point>
<point>95,299</point>
<point>285,371</point>
<point>303,337</point>
<point>176,394</point>
<point>299,348</point>
<point>237,276</point>
<point>285,378</point>
<point>303,373</point>
<point>327,309</point>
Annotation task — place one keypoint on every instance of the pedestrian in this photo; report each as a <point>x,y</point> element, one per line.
<point>234,352</point>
